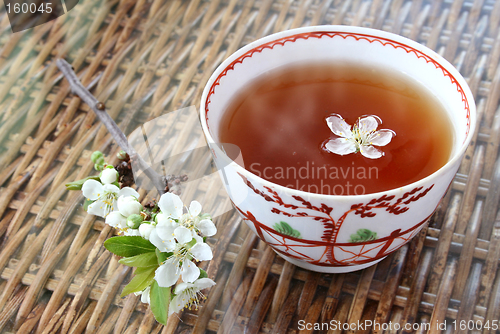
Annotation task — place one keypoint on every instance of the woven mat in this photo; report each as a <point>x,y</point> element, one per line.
<point>146,58</point>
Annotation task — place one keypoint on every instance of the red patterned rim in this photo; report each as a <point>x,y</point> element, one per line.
<point>344,35</point>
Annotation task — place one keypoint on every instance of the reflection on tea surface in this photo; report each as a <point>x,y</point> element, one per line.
<point>279,123</point>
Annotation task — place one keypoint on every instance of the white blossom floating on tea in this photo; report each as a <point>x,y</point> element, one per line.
<point>361,138</point>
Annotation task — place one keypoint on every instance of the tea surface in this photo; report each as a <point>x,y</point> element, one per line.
<point>279,123</point>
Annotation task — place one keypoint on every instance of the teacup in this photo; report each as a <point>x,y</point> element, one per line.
<point>316,235</point>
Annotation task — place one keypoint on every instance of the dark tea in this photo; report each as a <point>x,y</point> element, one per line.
<point>279,123</point>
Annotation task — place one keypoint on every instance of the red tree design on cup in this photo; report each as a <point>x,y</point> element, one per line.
<point>331,226</point>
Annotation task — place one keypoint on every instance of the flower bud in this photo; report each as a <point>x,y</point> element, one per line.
<point>96,155</point>
<point>98,167</point>
<point>122,155</point>
<point>134,221</point>
<point>109,175</point>
<point>145,230</point>
<point>100,161</point>
<point>128,205</point>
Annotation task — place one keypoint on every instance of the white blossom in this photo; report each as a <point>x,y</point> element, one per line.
<point>104,196</point>
<point>179,262</point>
<point>361,138</point>
<point>163,245</point>
<point>127,205</point>
<point>130,232</point>
<point>116,219</point>
<point>171,205</point>
<point>189,294</point>
<point>145,295</point>
<point>171,219</point>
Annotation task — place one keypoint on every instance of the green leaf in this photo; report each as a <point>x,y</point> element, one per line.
<point>141,260</point>
<point>141,270</point>
<point>77,185</point>
<point>159,300</point>
<point>162,257</point>
<point>203,274</point>
<point>284,228</point>
<point>362,235</point>
<point>127,246</point>
<point>142,279</point>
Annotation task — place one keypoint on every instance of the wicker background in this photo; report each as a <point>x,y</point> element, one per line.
<point>145,58</point>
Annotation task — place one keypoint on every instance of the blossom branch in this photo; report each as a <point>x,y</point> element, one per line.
<point>100,110</point>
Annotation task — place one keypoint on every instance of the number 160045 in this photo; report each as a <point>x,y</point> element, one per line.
<point>29,8</point>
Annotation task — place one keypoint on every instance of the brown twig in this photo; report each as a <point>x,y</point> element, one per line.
<point>100,110</point>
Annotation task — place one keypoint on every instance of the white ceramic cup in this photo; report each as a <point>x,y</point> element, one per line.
<point>318,230</point>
